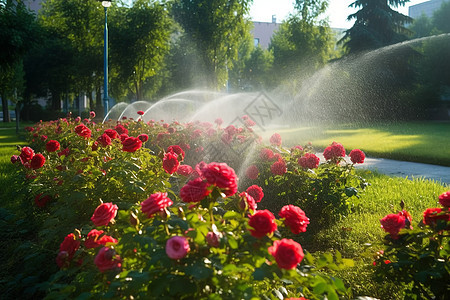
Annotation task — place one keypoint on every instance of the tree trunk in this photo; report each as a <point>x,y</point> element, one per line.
<point>56,101</point>
<point>6,116</point>
<point>91,101</point>
<point>98,100</point>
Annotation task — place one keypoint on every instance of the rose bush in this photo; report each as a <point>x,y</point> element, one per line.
<point>119,246</point>
<point>417,257</point>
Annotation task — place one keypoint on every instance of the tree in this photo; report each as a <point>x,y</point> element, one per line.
<point>421,26</point>
<point>214,28</point>
<point>304,42</point>
<point>441,18</point>
<point>376,25</point>
<point>81,21</point>
<point>16,38</point>
<point>139,42</point>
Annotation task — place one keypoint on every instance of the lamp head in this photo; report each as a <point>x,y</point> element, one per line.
<point>106,4</point>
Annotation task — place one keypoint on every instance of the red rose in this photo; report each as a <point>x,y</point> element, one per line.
<point>176,149</point>
<point>194,191</point>
<point>392,224</point>
<point>92,237</point>
<point>266,154</point>
<point>15,158</point>
<point>184,170</point>
<point>287,253</point>
<point>112,133</point>
<point>357,156</point>
<point>294,218</point>
<point>275,139</point>
<point>222,176</point>
<point>64,152</point>
<point>252,172</point>
<point>170,162</point>
<point>94,240</point>
<point>131,144</point>
<point>41,201</point>
<point>262,223</point>
<point>256,192</point>
<point>431,216</point>
<point>104,214</point>
<point>37,161</point>
<point>213,239</point>
<point>26,154</point>
<point>444,199</point>
<point>155,203</point>
<point>309,161</point>
<point>107,259</point>
<point>334,151</point>
<point>83,131</point>
<point>120,129</point>
<point>247,202</point>
<point>52,146</point>
<point>123,137</point>
<point>278,167</point>
<point>140,112</point>
<point>143,137</point>
<point>69,246</point>
<point>104,140</point>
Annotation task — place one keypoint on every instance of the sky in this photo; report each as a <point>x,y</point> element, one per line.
<point>338,10</point>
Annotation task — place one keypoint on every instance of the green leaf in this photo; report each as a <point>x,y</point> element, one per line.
<point>199,271</point>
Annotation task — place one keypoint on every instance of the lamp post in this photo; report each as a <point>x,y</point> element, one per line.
<point>105,4</point>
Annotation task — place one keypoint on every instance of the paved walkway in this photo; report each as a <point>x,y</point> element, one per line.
<point>403,168</point>
<point>407,169</point>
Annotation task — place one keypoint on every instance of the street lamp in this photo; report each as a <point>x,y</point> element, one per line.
<point>105,4</point>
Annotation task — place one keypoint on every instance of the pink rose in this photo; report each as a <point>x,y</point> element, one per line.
<point>104,214</point>
<point>177,247</point>
<point>275,139</point>
<point>252,172</point>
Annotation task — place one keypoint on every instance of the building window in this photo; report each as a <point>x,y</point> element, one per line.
<point>256,41</point>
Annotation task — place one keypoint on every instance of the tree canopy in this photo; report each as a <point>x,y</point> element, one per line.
<point>376,25</point>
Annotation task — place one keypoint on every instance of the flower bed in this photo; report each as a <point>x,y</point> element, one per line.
<point>135,209</point>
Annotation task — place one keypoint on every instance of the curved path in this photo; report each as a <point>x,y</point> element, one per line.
<point>403,168</point>
<point>408,169</point>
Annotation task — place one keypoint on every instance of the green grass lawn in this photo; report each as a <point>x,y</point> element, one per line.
<point>426,142</point>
